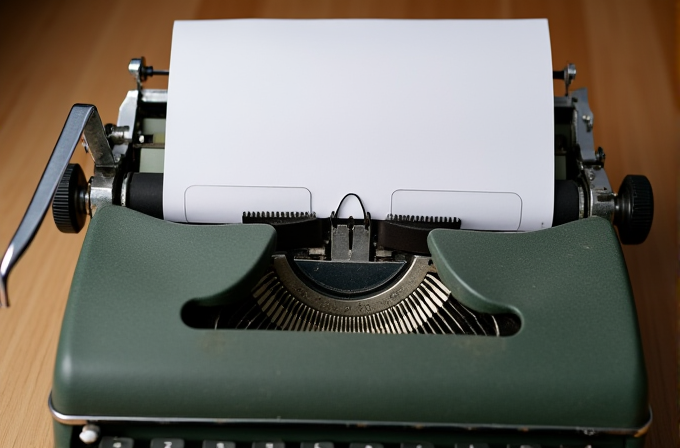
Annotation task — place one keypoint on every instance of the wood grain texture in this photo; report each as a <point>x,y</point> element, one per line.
<point>54,54</point>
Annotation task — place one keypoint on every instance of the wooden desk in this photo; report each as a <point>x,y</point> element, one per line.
<point>55,54</point>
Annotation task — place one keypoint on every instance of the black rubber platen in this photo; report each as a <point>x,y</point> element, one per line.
<point>566,208</point>
<point>145,194</point>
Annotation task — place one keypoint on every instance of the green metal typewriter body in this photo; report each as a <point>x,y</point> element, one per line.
<point>573,375</point>
<point>272,334</point>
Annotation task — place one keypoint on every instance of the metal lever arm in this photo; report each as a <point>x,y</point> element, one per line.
<point>82,120</point>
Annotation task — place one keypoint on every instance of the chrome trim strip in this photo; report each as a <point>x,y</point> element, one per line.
<point>77,420</point>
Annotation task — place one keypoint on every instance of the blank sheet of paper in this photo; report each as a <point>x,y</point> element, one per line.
<point>417,117</point>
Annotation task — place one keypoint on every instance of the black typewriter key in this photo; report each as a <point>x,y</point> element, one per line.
<point>417,445</point>
<point>365,445</point>
<point>269,445</point>
<point>218,444</point>
<point>316,445</point>
<point>167,443</point>
<point>116,442</point>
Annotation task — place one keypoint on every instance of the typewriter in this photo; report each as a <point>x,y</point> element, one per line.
<point>294,330</point>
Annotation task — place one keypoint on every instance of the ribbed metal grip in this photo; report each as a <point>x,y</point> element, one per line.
<point>634,209</point>
<point>68,209</point>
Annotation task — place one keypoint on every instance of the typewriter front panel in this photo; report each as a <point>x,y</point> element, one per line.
<point>129,363</point>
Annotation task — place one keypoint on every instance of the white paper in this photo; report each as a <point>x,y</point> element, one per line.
<point>417,117</point>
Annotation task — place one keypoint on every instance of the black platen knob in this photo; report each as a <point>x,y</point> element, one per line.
<point>634,209</point>
<point>68,205</point>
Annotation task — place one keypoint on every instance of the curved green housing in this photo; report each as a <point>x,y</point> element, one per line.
<point>575,363</point>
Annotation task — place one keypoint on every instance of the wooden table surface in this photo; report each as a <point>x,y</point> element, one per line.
<point>55,54</point>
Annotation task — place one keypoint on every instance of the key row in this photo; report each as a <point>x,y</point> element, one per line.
<point>126,442</point>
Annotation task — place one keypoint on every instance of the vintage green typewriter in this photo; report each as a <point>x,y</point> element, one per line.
<point>297,331</point>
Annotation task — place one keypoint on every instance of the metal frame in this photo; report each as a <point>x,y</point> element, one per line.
<point>76,420</point>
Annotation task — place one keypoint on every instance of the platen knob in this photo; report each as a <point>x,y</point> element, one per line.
<point>68,205</point>
<point>634,209</point>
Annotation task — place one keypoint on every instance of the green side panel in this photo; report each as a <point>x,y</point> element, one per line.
<point>62,434</point>
<point>570,287</point>
<point>124,350</point>
<point>638,442</point>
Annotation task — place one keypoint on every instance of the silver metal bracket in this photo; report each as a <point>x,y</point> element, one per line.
<point>600,198</point>
<point>351,241</point>
<point>598,195</point>
<point>83,120</point>
<point>583,124</point>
